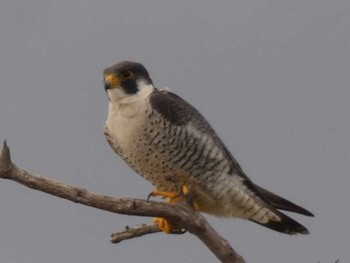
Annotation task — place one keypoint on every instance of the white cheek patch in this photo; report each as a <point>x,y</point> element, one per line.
<point>116,94</point>
<point>129,105</point>
<point>144,88</point>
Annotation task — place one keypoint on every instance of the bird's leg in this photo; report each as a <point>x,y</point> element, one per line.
<point>187,193</point>
<point>163,224</point>
<point>173,197</point>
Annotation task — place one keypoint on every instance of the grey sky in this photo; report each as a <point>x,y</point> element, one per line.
<point>272,77</point>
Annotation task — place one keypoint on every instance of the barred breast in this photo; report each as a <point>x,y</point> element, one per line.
<point>170,156</point>
<point>166,155</point>
<point>145,142</point>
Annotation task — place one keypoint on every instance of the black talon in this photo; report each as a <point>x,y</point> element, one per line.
<point>149,196</point>
<point>178,231</point>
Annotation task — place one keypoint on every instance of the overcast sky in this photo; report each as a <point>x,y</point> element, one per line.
<point>272,77</point>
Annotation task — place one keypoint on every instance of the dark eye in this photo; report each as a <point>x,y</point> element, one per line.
<point>126,74</point>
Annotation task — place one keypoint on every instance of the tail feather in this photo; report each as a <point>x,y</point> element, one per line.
<point>281,203</point>
<point>287,225</point>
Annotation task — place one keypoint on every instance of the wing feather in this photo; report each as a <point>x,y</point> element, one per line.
<point>180,113</point>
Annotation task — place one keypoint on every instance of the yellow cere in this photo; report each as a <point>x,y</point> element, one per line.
<point>113,80</point>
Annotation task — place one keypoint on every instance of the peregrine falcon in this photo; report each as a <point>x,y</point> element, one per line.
<point>169,143</point>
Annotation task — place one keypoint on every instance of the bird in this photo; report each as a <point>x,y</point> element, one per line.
<point>168,142</point>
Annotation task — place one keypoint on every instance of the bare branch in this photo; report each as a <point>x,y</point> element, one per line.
<point>185,217</point>
<point>137,231</point>
<point>5,159</point>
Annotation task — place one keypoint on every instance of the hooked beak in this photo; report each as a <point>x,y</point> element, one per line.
<point>111,81</point>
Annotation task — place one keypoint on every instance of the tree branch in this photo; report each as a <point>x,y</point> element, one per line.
<point>184,216</point>
<point>137,231</point>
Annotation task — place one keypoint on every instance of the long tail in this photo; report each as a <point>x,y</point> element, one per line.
<point>281,203</point>
<point>287,225</point>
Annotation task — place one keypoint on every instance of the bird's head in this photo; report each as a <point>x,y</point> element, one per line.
<point>125,79</point>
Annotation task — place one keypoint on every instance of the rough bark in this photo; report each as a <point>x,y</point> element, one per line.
<point>184,216</point>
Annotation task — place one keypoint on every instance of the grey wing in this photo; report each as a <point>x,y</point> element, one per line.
<point>220,172</point>
<point>180,113</point>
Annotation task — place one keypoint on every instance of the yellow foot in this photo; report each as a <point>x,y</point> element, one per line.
<point>163,224</point>
<point>164,194</point>
<point>173,197</point>
<point>186,191</point>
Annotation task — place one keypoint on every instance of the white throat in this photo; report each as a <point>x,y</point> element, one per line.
<point>129,105</point>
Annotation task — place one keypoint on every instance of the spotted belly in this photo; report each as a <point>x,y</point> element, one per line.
<point>170,156</point>
<point>150,152</point>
